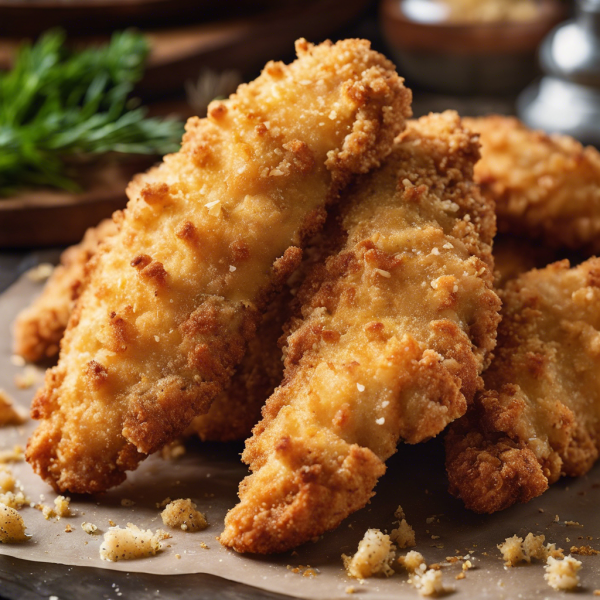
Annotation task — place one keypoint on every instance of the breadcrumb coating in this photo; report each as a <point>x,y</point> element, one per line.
<point>544,186</point>
<point>164,321</point>
<point>392,334</point>
<point>539,417</point>
<point>40,327</point>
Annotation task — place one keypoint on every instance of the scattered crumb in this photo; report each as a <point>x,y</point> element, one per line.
<point>40,273</point>
<point>7,479</point>
<point>573,523</point>
<point>129,543</point>
<point>515,550</point>
<point>26,378</point>
<point>127,502</point>
<point>182,514</point>
<point>61,506</point>
<point>14,455</point>
<point>305,571</point>
<point>178,556</point>
<point>460,576</point>
<point>173,450</point>
<point>562,574</point>
<point>112,523</point>
<point>373,557</point>
<point>17,361</point>
<point>68,528</point>
<point>163,503</point>
<point>350,589</point>
<point>14,500</point>
<point>427,582</point>
<point>404,535</point>
<point>9,413</point>
<point>584,550</point>
<point>596,592</point>
<point>467,565</point>
<point>411,561</point>
<point>89,528</point>
<point>204,546</point>
<point>12,526</point>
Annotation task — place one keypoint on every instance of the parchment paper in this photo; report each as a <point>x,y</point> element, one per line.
<point>209,474</point>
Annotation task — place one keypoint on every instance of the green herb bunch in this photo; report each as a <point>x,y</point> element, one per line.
<point>55,103</point>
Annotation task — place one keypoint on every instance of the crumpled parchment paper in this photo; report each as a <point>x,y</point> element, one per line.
<point>210,473</point>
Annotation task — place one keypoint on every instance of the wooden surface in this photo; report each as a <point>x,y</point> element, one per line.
<point>48,217</point>
<point>179,54</point>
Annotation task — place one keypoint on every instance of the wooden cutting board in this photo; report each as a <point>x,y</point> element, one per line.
<point>45,217</point>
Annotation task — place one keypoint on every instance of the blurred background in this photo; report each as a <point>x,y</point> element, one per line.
<point>93,91</point>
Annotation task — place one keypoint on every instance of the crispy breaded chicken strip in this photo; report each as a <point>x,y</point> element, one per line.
<point>236,410</point>
<point>206,238</point>
<point>545,186</point>
<point>40,327</point>
<point>539,417</point>
<point>394,331</point>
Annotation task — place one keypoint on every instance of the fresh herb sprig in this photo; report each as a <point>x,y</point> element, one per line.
<point>55,103</point>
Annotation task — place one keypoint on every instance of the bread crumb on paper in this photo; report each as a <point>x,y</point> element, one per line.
<point>12,526</point>
<point>7,479</point>
<point>130,543</point>
<point>14,455</point>
<point>373,557</point>
<point>562,574</point>
<point>26,378</point>
<point>517,550</point>
<point>428,582</point>
<point>127,502</point>
<point>182,514</point>
<point>173,450</point>
<point>89,528</point>
<point>411,561</point>
<point>9,413</point>
<point>404,535</point>
<point>584,550</point>
<point>14,500</point>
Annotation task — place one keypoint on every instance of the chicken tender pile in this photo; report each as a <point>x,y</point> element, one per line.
<point>539,417</point>
<point>40,327</point>
<point>206,238</point>
<point>545,186</point>
<point>393,332</point>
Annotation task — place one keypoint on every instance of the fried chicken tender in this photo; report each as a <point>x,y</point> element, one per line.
<point>394,330</point>
<point>236,410</point>
<point>206,239</point>
<point>539,417</point>
<point>545,186</point>
<point>40,327</point>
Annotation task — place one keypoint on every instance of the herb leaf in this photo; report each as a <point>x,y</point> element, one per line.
<point>55,103</point>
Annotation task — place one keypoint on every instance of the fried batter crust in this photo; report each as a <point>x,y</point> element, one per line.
<point>539,417</point>
<point>545,186</point>
<point>40,327</point>
<point>164,317</point>
<point>393,333</point>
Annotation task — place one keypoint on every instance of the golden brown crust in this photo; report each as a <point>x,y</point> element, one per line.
<point>391,334</point>
<point>40,327</point>
<point>544,186</point>
<point>540,416</point>
<point>171,332</point>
